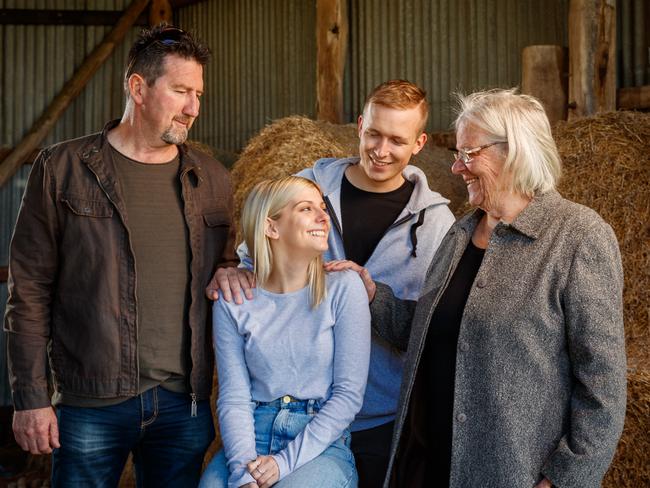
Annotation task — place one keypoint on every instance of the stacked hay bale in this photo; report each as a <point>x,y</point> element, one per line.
<point>607,167</point>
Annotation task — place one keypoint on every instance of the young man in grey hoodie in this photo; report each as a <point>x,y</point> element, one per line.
<point>386,225</point>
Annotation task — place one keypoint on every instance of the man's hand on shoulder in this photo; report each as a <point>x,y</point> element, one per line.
<point>343,264</point>
<point>36,430</point>
<point>231,281</point>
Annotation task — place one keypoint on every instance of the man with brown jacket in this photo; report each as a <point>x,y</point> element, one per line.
<point>117,236</point>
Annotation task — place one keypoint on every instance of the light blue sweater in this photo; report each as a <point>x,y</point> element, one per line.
<point>276,345</point>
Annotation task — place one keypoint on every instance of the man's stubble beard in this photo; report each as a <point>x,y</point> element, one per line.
<point>174,136</point>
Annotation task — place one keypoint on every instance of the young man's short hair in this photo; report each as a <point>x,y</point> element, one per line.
<point>401,95</point>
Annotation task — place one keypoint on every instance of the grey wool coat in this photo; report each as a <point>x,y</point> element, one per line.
<point>540,385</point>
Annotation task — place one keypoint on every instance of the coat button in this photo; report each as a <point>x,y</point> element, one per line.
<point>464,346</point>
<point>501,231</point>
<point>286,399</point>
<point>480,283</point>
<point>461,417</point>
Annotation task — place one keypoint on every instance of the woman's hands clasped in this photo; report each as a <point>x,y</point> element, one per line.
<point>265,471</point>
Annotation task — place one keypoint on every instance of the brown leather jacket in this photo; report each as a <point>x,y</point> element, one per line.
<point>72,279</point>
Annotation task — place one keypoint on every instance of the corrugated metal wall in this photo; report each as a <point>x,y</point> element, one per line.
<point>36,61</point>
<point>633,50</point>
<point>263,66</point>
<point>446,45</point>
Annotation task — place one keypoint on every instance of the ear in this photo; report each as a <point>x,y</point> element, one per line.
<point>137,88</point>
<point>359,125</point>
<point>419,143</point>
<point>271,229</point>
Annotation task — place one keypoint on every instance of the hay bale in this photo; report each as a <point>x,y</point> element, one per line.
<point>631,465</point>
<point>293,143</point>
<point>607,167</point>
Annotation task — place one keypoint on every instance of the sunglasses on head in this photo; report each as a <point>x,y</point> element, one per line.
<point>169,36</point>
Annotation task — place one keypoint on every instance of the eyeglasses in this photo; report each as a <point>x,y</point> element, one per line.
<point>466,156</point>
<point>169,36</point>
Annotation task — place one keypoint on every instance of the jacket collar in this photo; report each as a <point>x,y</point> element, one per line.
<point>534,218</point>
<point>93,154</point>
<point>530,222</point>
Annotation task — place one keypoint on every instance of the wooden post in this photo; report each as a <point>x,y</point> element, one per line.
<point>70,90</point>
<point>160,11</point>
<point>331,46</point>
<point>592,57</point>
<point>544,75</point>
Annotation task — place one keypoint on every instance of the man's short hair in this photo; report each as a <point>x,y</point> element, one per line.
<point>147,55</point>
<point>401,95</point>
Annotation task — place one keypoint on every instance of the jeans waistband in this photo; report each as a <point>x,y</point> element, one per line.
<point>292,403</point>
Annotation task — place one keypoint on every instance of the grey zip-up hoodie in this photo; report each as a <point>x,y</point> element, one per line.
<point>399,261</point>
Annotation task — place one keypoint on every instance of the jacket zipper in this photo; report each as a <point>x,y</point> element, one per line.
<point>193,408</point>
<point>135,298</point>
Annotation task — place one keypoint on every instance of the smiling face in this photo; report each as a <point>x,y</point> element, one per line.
<point>302,226</point>
<point>486,181</point>
<point>389,137</point>
<point>171,104</point>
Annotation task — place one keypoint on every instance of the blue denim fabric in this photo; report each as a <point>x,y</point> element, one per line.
<point>278,423</point>
<point>168,444</point>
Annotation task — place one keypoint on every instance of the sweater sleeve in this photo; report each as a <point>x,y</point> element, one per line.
<point>391,316</point>
<point>594,326</point>
<point>349,376</point>
<point>234,406</point>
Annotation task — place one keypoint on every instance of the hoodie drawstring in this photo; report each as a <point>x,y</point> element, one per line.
<point>413,232</point>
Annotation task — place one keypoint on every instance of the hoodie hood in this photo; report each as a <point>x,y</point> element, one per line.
<point>328,173</point>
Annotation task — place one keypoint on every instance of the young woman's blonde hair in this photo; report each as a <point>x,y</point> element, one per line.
<point>266,200</point>
<point>506,115</point>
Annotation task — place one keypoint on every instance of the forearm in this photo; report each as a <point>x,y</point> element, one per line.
<point>234,405</point>
<point>392,317</point>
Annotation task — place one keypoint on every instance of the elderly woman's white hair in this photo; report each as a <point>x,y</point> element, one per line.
<point>506,115</point>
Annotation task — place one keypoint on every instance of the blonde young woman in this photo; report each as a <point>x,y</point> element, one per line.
<point>292,362</point>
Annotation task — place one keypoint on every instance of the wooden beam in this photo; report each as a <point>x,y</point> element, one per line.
<point>160,11</point>
<point>544,76</point>
<point>184,3</point>
<point>592,57</point>
<point>634,98</point>
<point>6,151</point>
<point>70,90</point>
<point>24,16</point>
<point>331,46</point>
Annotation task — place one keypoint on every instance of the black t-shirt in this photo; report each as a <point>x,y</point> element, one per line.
<point>366,216</point>
<point>439,362</point>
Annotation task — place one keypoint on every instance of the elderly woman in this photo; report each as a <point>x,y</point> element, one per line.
<point>515,370</point>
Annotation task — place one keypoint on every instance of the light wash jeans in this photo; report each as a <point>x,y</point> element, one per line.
<point>277,424</point>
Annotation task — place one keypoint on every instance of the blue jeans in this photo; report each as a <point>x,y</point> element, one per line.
<point>167,443</point>
<point>277,424</point>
